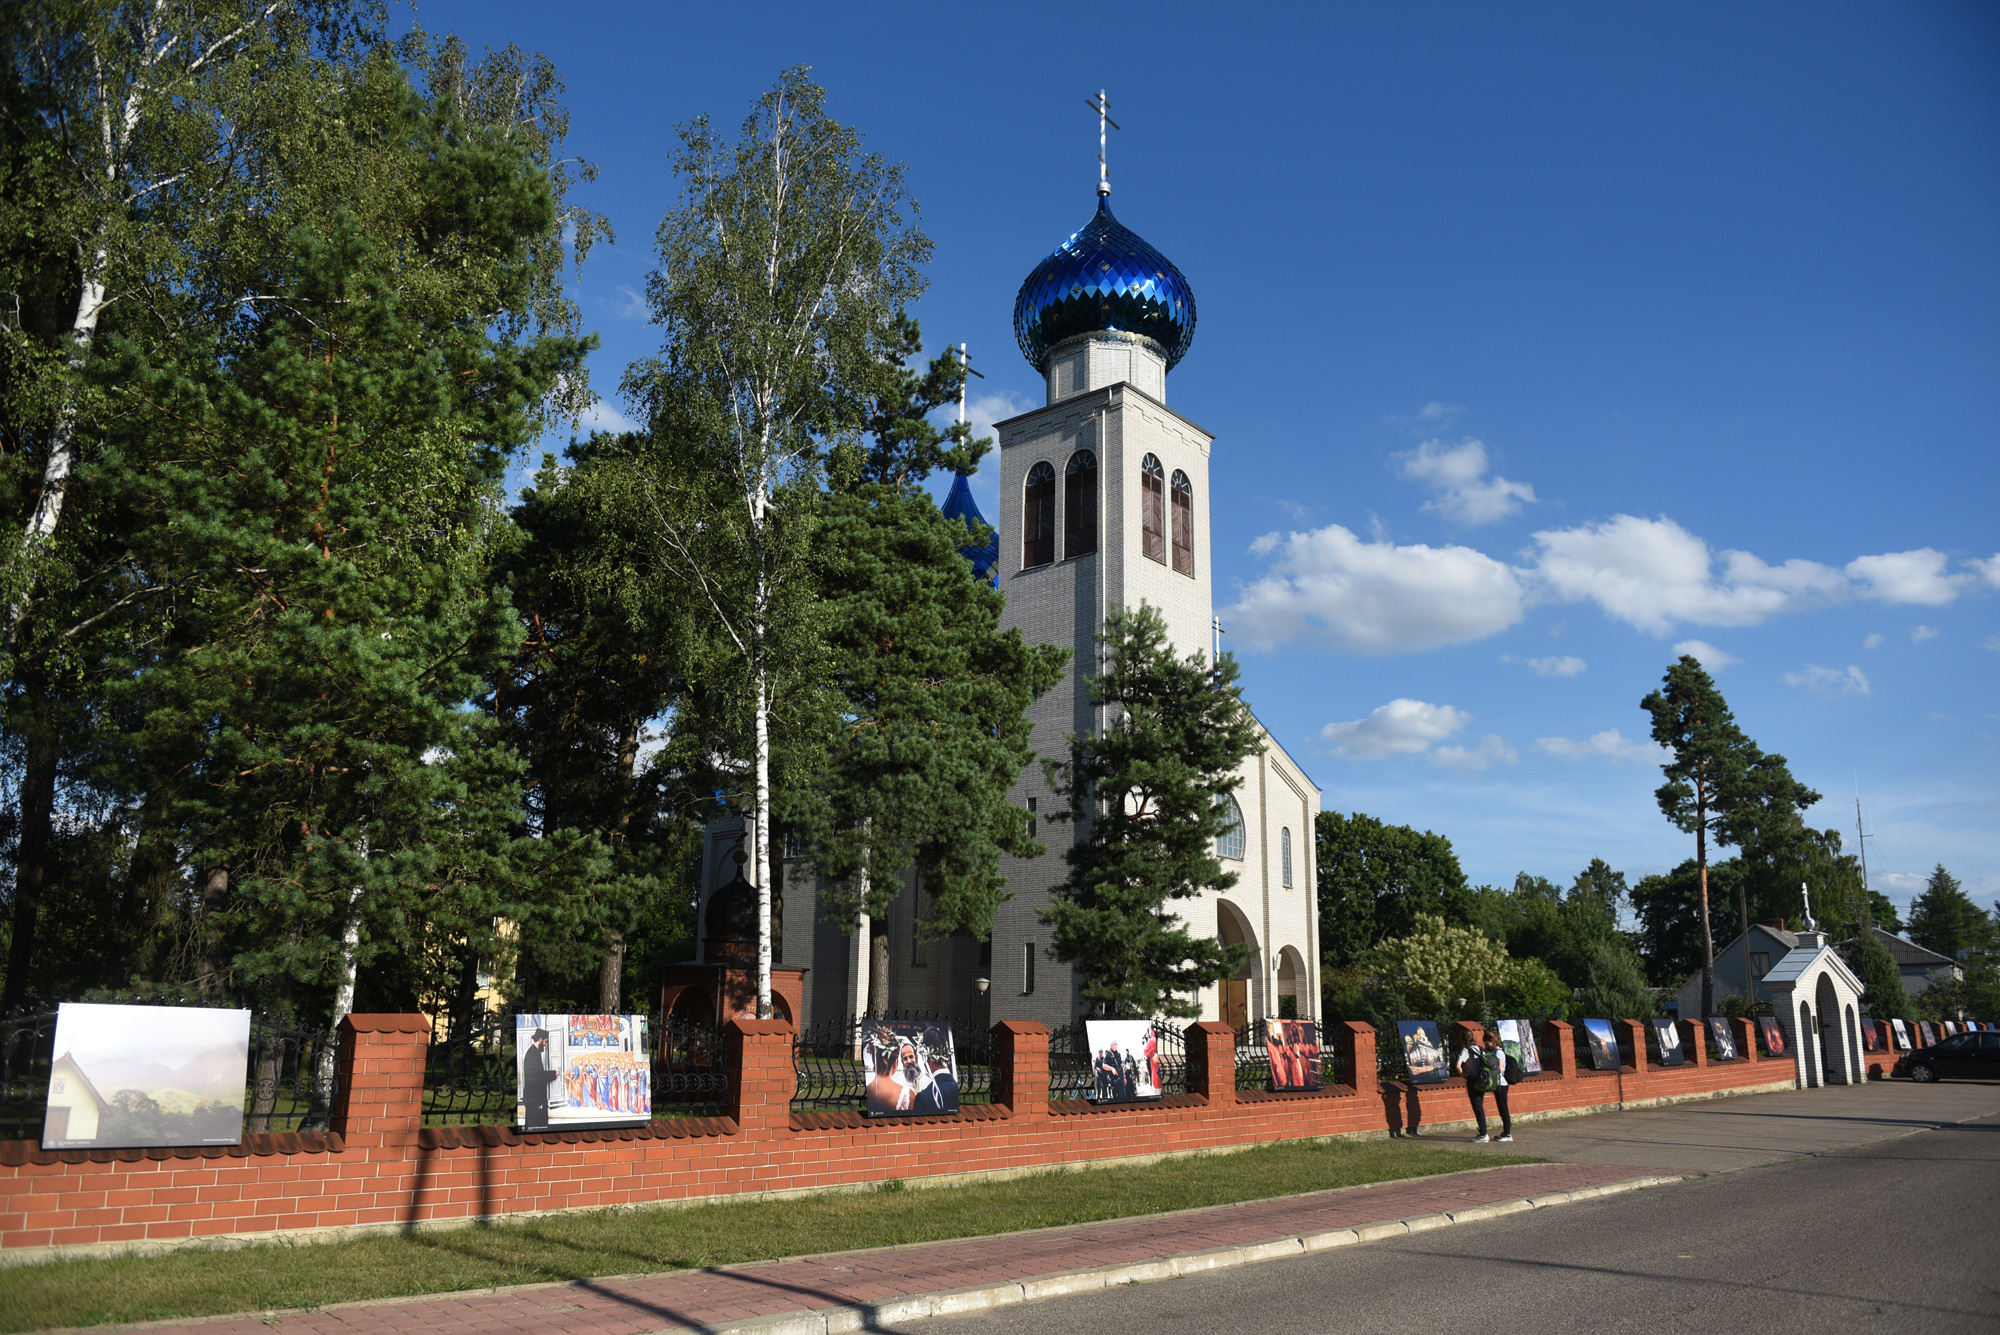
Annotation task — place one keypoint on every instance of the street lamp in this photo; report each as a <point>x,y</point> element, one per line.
<point>980,985</point>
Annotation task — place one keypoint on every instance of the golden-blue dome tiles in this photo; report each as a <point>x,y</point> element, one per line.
<point>1105,277</point>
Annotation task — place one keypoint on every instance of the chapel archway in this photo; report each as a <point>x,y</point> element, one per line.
<point>1808,1058</point>
<point>1291,984</point>
<point>1236,995</point>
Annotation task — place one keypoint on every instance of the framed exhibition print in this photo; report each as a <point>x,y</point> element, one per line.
<point>1124,1060</point>
<point>1724,1035</point>
<point>130,1077</point>
<point>909,1068</point>
<point>578,1071</point>
<point>1423,1050</point>
<point>1774,1037</point>
<point>1603,1045</point>
<point>1517,1040</point>
<point>1293,1049</point>
<point>1667,1034</point>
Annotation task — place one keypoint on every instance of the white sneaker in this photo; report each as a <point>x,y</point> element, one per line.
<point>1506,1140</point>
<point>1481,1138</point>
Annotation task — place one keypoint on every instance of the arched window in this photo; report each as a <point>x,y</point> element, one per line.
<point>1038,517</point>
<point>1285,857</point>
<point>1229,844</point>
<point>1080,505</point>
<point>1153,509</point>
<point>1183,523</point>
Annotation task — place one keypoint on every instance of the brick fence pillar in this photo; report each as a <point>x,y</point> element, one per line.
<point>1746,1039</point>
<point>381,1099</point>
<point>1211,1058</point>
<point>1632,1044</point>
<point>762,1076</point>
<point>1694,1041</point>
<point>1354,1052</point>
<point>1561,1055</point>
<point>1021,1068</point>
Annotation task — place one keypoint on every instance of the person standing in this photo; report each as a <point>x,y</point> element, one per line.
<point>535,1079</point>
<point>1485,1071</point>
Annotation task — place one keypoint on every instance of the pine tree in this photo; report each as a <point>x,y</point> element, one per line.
<point>1945,919</point>
<point>1883,993</point>
<point>1719,786</point>
<point>1149,793</point>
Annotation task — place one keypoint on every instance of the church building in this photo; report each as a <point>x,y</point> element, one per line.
<point>1104,494</point>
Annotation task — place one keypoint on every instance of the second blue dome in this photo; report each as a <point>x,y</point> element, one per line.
<point>1104,278</point>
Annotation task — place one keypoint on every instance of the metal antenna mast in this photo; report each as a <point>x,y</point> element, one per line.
<point>1102,106</point>
<point>965,360</point>
<point>1860,834</point>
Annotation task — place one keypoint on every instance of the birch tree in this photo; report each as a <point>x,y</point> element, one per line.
<point>784,274</point>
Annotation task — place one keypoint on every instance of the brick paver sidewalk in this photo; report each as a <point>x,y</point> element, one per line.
<point>708,1298</point>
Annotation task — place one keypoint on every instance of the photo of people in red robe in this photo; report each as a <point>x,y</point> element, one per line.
<point>1293,1047</point>
<point>1124,1060</point>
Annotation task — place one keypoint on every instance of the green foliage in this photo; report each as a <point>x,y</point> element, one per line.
<point>1438,963</point>
<point>1375,879</point>
<point>1616,989</point>
<point>1974,997</point>
<point>1536,920</point>
<point>1533,992</point>
<point>1945,919</point>
<point>1148,794</point>
<point>1669,911</point>
<point>1883,993</point>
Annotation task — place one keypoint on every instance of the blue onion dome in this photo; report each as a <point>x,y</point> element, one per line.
<point>1104,278</point>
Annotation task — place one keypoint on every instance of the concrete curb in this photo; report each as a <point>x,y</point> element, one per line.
<point>854,1317</point>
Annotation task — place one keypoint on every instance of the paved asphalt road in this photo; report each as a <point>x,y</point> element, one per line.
<point>1900,1234</point>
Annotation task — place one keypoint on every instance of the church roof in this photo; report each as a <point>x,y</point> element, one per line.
<point>1908,952</point>
<point>958,504</point>
<point>1104,278</point>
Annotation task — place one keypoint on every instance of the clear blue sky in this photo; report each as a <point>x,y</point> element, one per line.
<point>1538,341</point>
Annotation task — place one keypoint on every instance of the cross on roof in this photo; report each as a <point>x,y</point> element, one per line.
<point>1102,106</point>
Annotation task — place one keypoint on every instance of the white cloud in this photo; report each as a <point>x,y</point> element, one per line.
<point>1567,666</point>
<point>1400,728</point>
<point>603,417</point>
<point>1874,641</point>
<point>630,304</point>
<point>1706,654</point>
<point>1989,569</point>
<point>1491,751</point>
<point>1907,577</point>
<point>1829,682</point>
<point>1329,589</point>
<point>1918,634</point>
<point>1437,411</point>
<point>1457,473</point>
<point>1609,745</point>
<point>1991,642</point>
<point>1652,573</point>
<point>983,410</point>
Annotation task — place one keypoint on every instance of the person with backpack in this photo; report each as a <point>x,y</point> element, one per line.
<point>1485,1072</point>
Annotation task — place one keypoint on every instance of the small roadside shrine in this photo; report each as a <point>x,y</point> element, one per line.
<point>1818,1003</point>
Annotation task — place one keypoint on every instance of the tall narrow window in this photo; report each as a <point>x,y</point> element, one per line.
<point>1038,517</point>
<point>1229,844</point>
<point>1285,857</point>
<point>1153,508</point>
<point>1080,505</point>
<point>1183,523</point>
<point>1027,967</point>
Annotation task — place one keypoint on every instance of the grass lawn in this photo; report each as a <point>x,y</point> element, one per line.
<point>623,1242</point>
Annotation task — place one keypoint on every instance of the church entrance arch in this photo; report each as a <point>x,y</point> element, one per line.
<point>1291,978</point>
<point>1234,997</point>
<point>1808,1032</point>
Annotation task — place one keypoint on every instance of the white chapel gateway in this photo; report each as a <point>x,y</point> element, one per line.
<point>1103,504</point>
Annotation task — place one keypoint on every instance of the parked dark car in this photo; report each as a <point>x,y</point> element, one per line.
<point>1960,1057</point>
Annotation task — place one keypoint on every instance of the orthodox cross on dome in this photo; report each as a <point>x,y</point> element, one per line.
<point>1102,106</point>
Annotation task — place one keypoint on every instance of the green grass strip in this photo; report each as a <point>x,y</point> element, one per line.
<point>277,1276</point>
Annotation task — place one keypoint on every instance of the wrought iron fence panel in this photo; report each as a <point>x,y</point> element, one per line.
<point>690,1074</point>
<point>27,1047</point>
<point>470,1078</point>
<point>294,1077</point>
<point>826,1056</point>
<point>1071,1069</point>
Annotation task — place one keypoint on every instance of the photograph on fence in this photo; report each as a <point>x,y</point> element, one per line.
<point>1774,1037</point>
<point>1603,1045</point>
<point>1725,1039</point>
<point>909,1068</point>
<point>1124,1060</point>
<point>128,1077</point>
<point>1293,1047</point>
<point>580,1071</point>
<point>1424,1051</point>
<point>1667,1033</point>
<point>1902,1032</point>
<point>1928,1032</point>
<point>1871,1037</point>
<point>1517,1040</point>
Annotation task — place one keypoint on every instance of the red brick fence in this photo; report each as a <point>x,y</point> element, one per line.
<point>379,1168</point>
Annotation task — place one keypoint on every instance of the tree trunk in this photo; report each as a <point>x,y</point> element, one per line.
<point>31,859</point>
<point>1707,933</point>
<point>611,973</point>
<point>611,977</point>
<point>466,996</point>
<point>878,969</point>
<point>762,825</point>
<point>214,899</point>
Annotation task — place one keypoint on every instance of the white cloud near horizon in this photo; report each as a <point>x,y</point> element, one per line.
<point>1402,727</point>
<point>1829,682</point>
<point>1706,654</point>
<point>1329,589</point>
<point>1457,476</point>
<point>603,417</point>
<point>1610,745</point>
